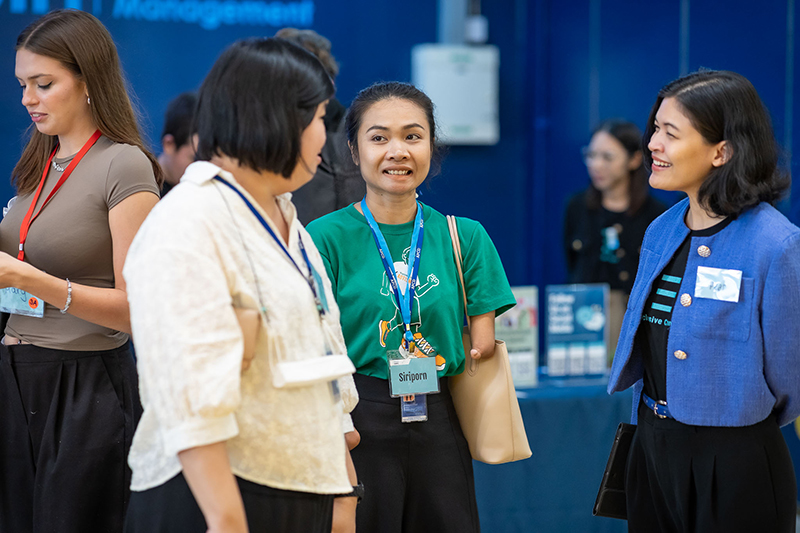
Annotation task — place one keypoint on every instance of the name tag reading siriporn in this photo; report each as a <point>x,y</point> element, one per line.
<point>413,375</point>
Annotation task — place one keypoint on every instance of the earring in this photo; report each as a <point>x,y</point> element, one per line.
<point>88,100</point>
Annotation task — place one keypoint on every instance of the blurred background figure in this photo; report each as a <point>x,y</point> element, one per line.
<point>337,182</point>
<point>177,148</point>
<point>605,224</point>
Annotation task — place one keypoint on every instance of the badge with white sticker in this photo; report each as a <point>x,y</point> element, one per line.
<point>718,284</point>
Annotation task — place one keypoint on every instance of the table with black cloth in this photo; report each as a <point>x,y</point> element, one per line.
<point>570,426</point>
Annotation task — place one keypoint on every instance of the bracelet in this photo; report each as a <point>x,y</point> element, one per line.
<point>69,297</point>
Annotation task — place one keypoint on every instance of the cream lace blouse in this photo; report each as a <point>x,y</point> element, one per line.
<point>200,253</point>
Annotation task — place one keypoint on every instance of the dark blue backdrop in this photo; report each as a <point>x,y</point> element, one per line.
<point>564,66</point>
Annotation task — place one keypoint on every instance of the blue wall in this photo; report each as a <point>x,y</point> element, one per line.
<point>564,66</point>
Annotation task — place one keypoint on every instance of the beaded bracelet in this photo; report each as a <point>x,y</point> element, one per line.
<point>69,297</point>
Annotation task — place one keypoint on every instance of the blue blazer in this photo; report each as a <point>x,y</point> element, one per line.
<point>728,364</point>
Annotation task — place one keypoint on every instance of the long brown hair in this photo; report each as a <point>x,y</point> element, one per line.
<point>83,46</point>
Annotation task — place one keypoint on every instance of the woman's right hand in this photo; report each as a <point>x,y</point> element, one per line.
<point>208,474</point>
<point>229,526</point>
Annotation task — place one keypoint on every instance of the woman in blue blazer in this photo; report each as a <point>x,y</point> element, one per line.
<point>710,338</point>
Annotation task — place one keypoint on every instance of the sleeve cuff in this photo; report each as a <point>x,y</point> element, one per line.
<point>199,432</point>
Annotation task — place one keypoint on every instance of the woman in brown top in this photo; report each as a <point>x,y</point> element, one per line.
<point>68,391</point>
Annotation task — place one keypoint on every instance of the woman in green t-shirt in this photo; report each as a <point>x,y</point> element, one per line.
<point>417,476</point>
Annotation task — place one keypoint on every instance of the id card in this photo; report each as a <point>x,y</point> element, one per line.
<point>414,408</point>
<point>411,375</point>
<point>19,302</point>
<point>718,284</point>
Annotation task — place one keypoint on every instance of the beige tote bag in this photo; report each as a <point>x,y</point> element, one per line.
<point>484,395</point>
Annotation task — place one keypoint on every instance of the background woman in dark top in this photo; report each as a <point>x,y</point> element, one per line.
<point>605,224</point>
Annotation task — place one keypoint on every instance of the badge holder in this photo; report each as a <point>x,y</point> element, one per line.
<point>412,378</point>
<point>19,302</point>
<point>414,408</point>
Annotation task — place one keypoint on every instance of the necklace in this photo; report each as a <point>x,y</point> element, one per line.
<point>58,167</point>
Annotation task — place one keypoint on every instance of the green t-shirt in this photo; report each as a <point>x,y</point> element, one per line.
<point>371,320</point>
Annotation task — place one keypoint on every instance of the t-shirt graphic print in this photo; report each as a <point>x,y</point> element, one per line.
<point>420,347</point>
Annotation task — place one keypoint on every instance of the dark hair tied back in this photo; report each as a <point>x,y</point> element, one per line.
<point>386,91</point>
<point>724,106</point>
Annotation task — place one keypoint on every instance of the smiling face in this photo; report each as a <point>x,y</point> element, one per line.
<point>682,158</point>
<point>394,147</point>
<point>53,96</point>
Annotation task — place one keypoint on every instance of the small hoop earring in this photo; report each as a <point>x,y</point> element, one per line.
<point>88,100</point>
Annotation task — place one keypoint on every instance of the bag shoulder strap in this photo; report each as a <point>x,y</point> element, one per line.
<point>453,227</point>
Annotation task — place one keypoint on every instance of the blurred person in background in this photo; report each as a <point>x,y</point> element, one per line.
<point>177,146</point>
<point>604,225</point>
<point>69,400</point>
<point>709,342</point>
<point>337,182</point>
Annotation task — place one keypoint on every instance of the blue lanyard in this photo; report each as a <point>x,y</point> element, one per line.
<point>310,278</point>
<point>404,301</point>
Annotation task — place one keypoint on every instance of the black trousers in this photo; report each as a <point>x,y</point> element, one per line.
<point>171,508</point>
<point>686,479</point>
<point>417,476</point>
<point>67,420</point>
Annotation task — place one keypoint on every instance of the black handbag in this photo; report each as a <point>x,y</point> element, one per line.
<point>610,500</point>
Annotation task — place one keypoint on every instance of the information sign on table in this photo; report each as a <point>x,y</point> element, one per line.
<point>519,328</point>
<point>576,335</point>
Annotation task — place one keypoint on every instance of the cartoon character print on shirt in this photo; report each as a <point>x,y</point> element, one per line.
<point>420,347</point>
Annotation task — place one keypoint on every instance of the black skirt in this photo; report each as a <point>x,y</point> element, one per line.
<point>417,476</point>
<point>171,508</point>
<point>685,479</point>
<point>67,420</point>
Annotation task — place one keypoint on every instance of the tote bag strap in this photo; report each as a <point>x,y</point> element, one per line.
<point>470,364</point>
<point>451,225</point>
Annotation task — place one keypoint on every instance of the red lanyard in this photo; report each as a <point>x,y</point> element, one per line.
<point>29,216</point>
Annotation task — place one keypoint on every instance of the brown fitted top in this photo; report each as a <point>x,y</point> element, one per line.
<point>71,239</point>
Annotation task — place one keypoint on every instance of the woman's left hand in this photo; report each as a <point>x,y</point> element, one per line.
<point>481,335</point>
<point>476,354</point>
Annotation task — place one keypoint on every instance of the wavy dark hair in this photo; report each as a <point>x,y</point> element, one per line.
<point>378,92</point>
<point>630,137</point>
<point>83,46</point>
<point>256,101</point>
<point>724,106</point>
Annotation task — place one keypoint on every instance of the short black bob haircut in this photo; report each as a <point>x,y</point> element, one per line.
<point>724,105</point>
<point>392,90</point>
<point>256,101</point>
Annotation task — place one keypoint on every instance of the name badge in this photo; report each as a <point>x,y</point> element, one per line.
<point>718,284</point>
<point>411,375</point>
<point>19,302</point>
